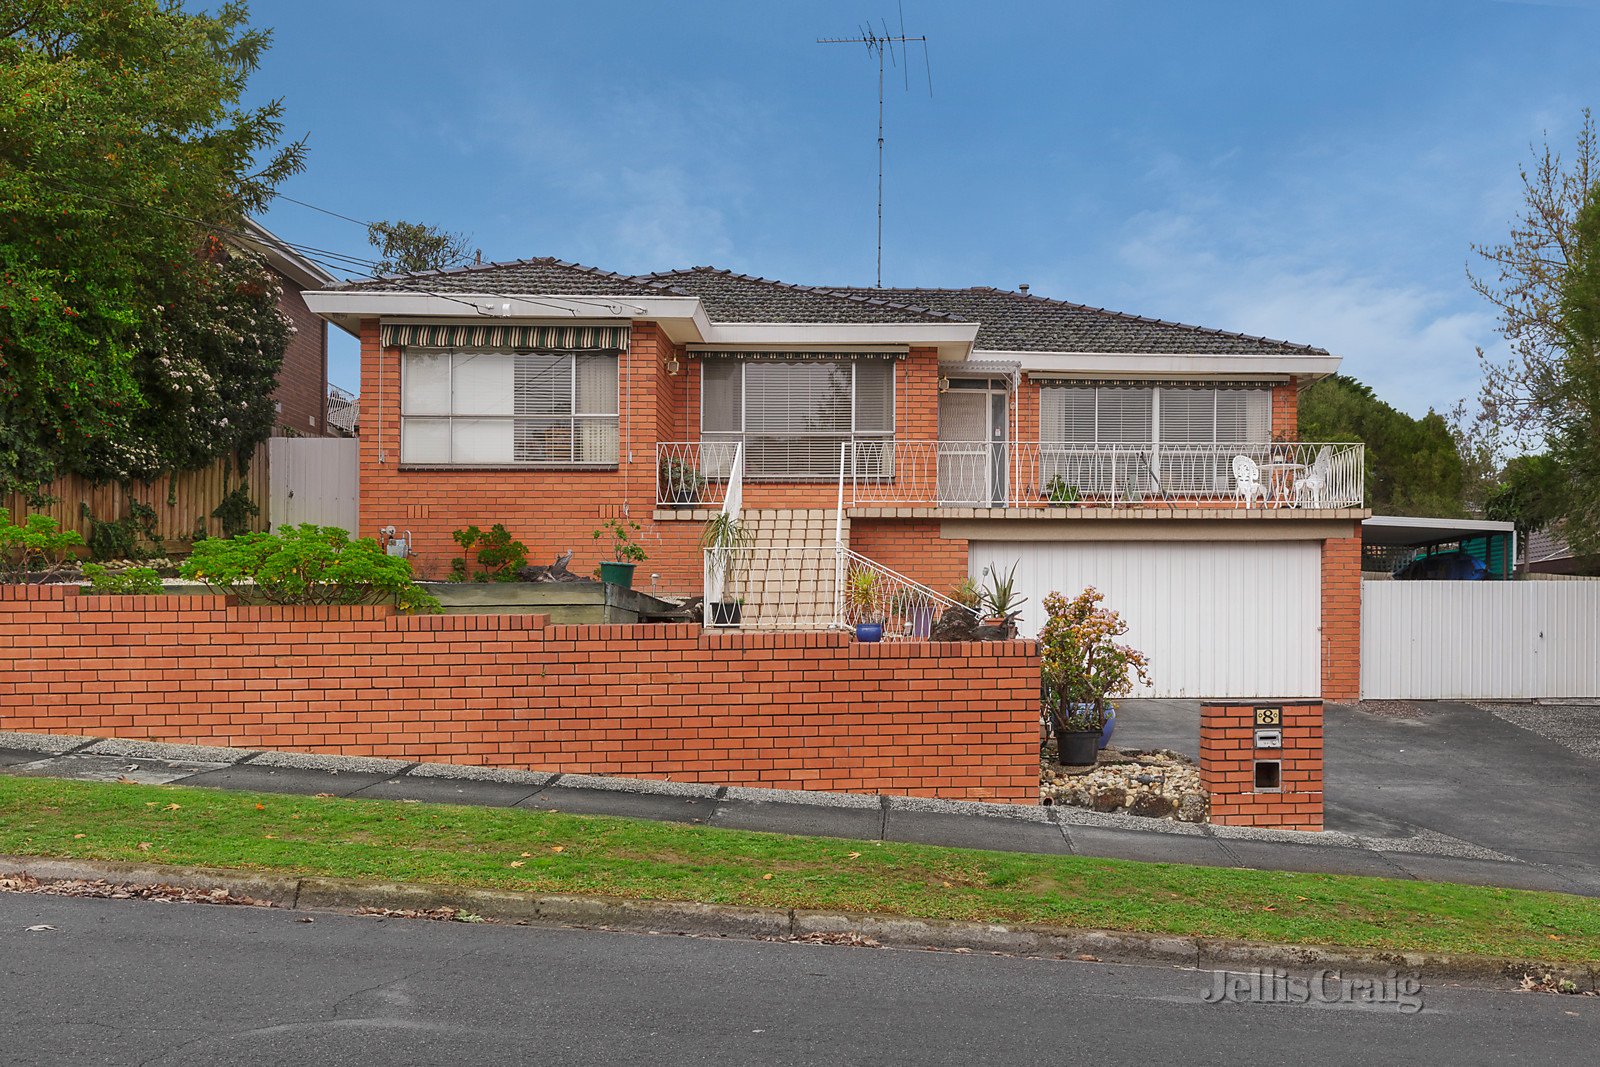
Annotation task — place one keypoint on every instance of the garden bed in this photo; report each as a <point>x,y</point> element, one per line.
<point>1158,784</point>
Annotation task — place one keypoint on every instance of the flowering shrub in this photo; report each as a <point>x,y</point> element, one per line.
<point>306,564</point>
<point>1083,665</point>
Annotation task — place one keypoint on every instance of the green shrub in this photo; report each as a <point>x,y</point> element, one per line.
<point>36,545</point>
<point>235,512</point>
<point>119,538</point>
<point>498,554</point>
<point>137,581</point>
<point>306,564</point>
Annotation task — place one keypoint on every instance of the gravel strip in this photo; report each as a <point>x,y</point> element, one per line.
<point>646,786</point>
<point>1026,812</point>
<point>1072,816</point>
<point>1433,843</point>
<point>1335,838</point>
<point>458,772</point>
<point>316,761</point>
<point>167,751</point>
<point>802,796</point>
<point>44,744</point>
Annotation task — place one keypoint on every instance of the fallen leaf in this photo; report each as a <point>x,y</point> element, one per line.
<point>947,885</point>
<point>144,846</point>
<point>324,794</point>
<point>1269,907</point>
<point>963,950</point>
<point>150,803</point>
<point>41,926</point>
<point>271,837</point>
<point>296,815</point>
<point>174,807</point>
<point>1086,958</point>
<point>125,780</point>
<point>525,855</point>
<point>1555,937</point>
<point>306,919</point>
<point>766,877</point>
<point>1302,898</point>
<point>517,863</point>
<point>79,837</point>
<point>558,848</point>
<point>261,807</point>
<point>855,855</point>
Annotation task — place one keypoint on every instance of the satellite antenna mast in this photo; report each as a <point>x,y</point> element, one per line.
<point>878,44</point>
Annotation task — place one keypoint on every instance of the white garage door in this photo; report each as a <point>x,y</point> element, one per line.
<point>1217,619</point>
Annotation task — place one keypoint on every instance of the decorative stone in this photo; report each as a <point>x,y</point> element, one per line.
<point>1160,784</point>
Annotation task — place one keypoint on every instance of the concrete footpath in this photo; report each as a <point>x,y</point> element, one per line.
<point>1425,855</point>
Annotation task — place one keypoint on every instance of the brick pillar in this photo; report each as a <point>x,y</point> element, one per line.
<point>1341,618</point>
<point>1286,410</point>
<point>1242,790</point>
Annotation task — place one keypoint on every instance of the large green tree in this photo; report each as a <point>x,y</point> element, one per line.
<point>1413,467</point>
<point>124,149</point>
<point>1575,414</point>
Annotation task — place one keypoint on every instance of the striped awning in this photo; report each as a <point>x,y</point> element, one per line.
<point>1065,378</point>
<point>787,356</point>
<point>504,335</point>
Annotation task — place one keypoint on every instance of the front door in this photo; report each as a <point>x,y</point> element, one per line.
<point>972,445</point>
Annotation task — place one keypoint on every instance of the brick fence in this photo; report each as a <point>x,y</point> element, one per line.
<point>1263,784</point>
<point>812,710</point>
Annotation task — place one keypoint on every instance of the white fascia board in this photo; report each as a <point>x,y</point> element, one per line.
<point>953,339</point>
<point>287,261</point>
<point>1154,365</point>
<point>682,317</point>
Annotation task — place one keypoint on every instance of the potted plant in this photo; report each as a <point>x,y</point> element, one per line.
<point>1082,667</point>
<point>725,539</point>
<point>999,604</point>
<point>861,600</point>
<point>914,610</point>
<point>681,482</point>
<point>626,552</point>
<point>1059,493</point>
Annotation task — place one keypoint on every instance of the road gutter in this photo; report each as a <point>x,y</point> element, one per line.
<point>721,920</point>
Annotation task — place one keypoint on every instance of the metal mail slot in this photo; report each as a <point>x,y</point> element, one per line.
<point>1269,738</point>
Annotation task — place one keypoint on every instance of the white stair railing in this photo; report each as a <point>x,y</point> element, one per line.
<point>873,593</point>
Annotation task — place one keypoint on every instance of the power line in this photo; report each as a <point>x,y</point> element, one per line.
<point>325,211</point>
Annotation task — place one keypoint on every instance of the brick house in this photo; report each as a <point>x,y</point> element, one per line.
<point>935,432</point>
<point>302,392</point>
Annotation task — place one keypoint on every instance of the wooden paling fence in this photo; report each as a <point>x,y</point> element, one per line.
<point>181,501</point>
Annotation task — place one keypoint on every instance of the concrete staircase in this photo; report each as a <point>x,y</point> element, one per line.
<point>787,580</point>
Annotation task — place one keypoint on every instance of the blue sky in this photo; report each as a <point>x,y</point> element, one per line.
<point>1308,170</point>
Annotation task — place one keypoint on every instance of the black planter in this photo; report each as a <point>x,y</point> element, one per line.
<point>726,613</point>
<point>1077,748</point>
<point>685,498</point>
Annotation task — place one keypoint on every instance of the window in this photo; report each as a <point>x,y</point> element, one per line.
<point>1115,438</point>
<point>792,416</point>
<point>508,409</point>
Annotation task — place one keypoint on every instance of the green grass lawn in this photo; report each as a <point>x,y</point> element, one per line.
<point>551,853</point>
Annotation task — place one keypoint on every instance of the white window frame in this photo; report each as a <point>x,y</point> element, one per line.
<point>753,472</point>
<point>574,417</point>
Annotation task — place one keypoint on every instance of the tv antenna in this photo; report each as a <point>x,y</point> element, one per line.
<point>879,44</point>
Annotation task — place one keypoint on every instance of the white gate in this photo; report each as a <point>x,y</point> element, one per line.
<point>1217,619</point>
<point>1479,640</point>
<point>313,479</point>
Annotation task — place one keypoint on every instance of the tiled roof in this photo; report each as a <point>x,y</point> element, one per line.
<point>730,297</point>
<point>544,276</point>
<point>1022,322</point>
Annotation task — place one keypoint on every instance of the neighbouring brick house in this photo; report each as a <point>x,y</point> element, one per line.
<point>935,431</point>
<point>302,392</point>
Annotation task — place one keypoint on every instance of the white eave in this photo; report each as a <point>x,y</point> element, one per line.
<point>1159,365</point>
<point>682,317</point>
<point>285,260</point>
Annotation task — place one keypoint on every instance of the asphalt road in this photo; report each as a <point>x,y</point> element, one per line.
<point>131,982</point>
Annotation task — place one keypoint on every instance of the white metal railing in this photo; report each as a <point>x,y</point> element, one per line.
<point>869,592</point>
<point>694,473</point>
<point>1043,474</point>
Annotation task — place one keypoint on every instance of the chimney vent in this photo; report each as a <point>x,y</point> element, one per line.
<point>1023,288</point>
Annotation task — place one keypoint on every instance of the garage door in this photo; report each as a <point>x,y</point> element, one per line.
<point>1217,619</point>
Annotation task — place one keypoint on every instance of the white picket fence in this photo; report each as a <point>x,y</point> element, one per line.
<point>314,479</point>
<point>1514,640</point>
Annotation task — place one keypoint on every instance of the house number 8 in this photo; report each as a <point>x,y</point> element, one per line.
<point>1269,716</point>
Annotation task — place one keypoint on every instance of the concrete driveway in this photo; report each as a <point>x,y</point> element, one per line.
<point>1520,780</point>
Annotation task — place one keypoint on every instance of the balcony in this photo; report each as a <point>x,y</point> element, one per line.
<point>897,474</point>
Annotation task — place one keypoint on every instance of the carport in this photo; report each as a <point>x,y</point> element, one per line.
<point>1389,541</point>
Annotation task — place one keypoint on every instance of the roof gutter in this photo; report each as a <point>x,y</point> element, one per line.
<point>1153,364</point>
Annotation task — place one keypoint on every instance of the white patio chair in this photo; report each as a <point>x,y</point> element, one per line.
<point>1315,480</point>
<point>1247,480</point>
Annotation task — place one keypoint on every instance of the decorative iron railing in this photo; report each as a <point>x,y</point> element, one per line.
<point>1044,474</point>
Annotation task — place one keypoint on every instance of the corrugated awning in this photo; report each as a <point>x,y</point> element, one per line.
<point>787,356</point>
<point>504,335</point>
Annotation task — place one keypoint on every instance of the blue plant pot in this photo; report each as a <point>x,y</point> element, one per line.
<point>869,631</point>
<point>1111,724</point>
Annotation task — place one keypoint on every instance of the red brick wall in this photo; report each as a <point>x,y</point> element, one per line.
<point>302,392</point>
<point>914,548</point>
<point>1341,617</point>
<point>1227,765</point>
<point>551,511</point>
<point>816,711</point>
<point>1286,410</point>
